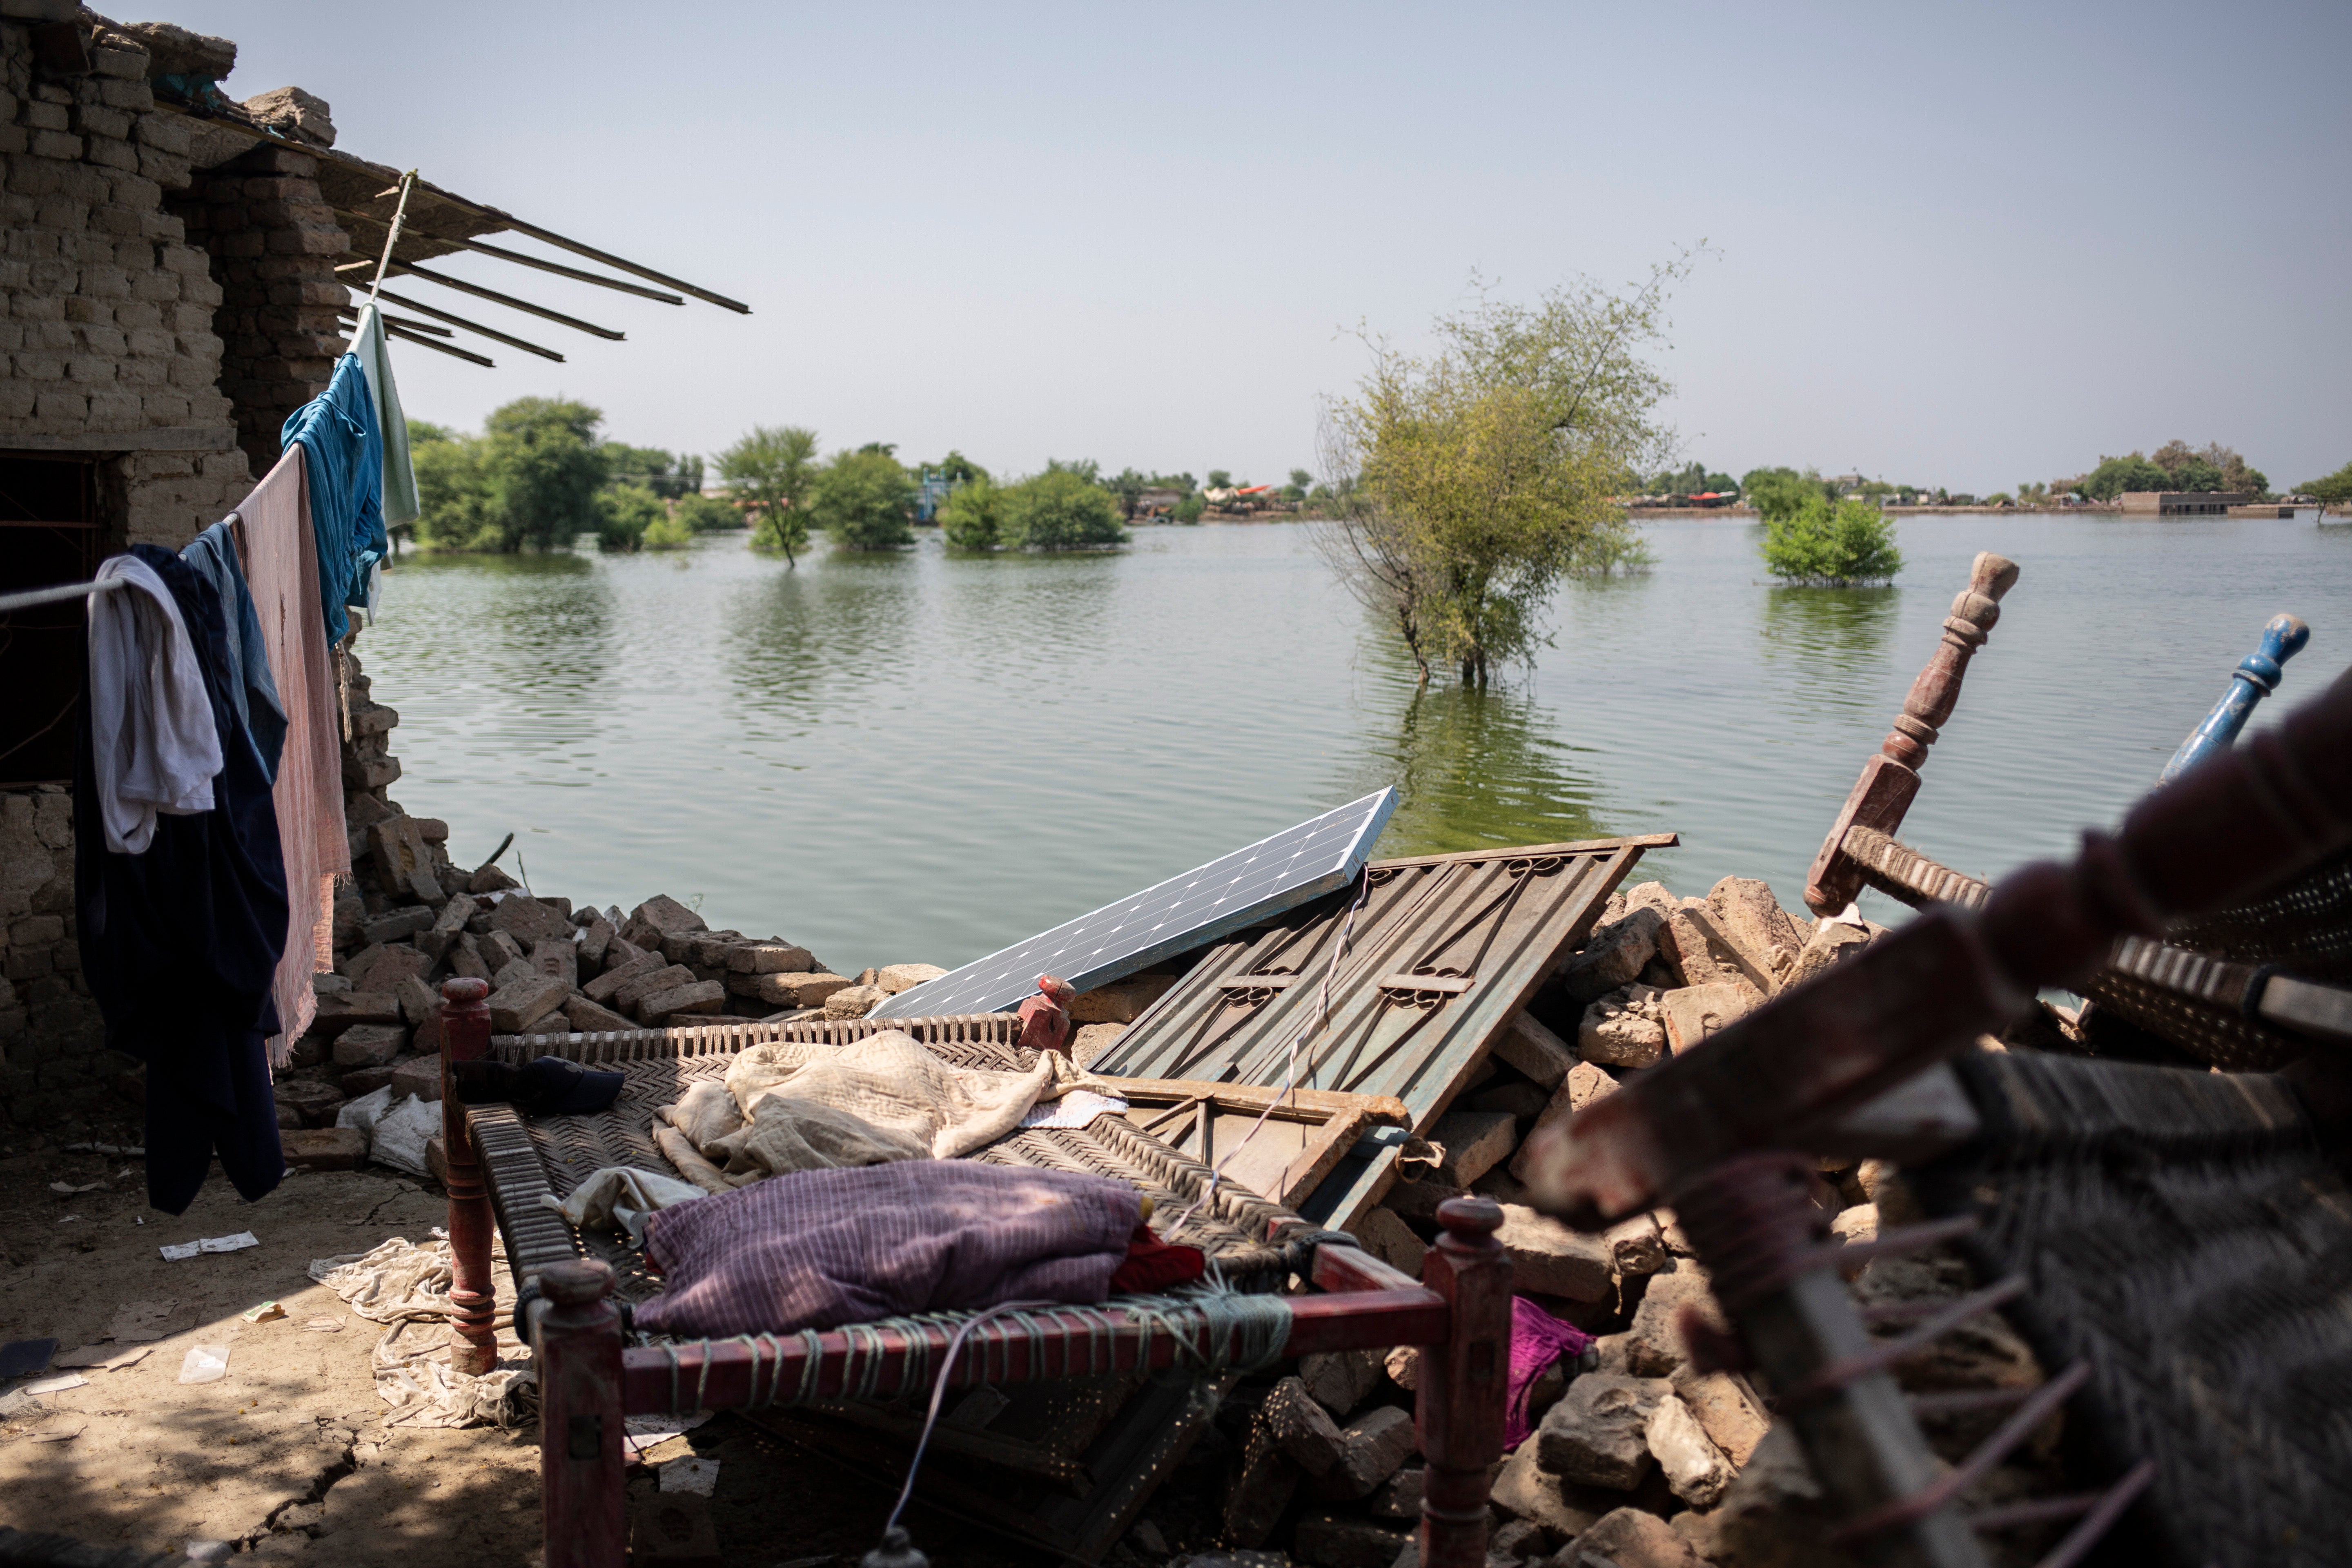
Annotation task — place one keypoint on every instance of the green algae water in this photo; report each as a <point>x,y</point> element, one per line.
<point>919,757</point>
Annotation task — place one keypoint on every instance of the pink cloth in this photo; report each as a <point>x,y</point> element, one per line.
<point>281,568</point>
<point>1538,1340</point>
<point>816,1249</point>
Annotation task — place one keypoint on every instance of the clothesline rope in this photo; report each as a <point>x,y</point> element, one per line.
<point>63,590</point>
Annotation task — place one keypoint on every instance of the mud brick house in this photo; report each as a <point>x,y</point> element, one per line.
<point>176,280</point>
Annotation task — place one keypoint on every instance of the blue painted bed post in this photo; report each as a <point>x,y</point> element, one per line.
<point>2256,677</point>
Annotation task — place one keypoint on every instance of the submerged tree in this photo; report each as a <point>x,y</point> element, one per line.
<point>971,518</point>
<point>772,470</point>
<point>1060,510</point>
<point>863,499</point>
<point>1468,481</point>
<point>1831,546</point>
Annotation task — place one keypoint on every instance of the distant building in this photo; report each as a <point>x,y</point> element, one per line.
<point>2185,503</point>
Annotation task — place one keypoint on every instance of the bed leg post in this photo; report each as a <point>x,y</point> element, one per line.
<point>466,1036</point>
<point>582,1490</point>
<point>1463,1382</point>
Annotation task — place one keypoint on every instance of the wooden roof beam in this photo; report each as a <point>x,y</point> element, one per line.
<point>406,336</point>
<point>407,304</point>
<point>518,259</point>
<point>409,270</point>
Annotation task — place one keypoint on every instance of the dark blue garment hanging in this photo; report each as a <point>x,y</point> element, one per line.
<point>180,943</point>
<point>342,458</point>
<point>254,691</point>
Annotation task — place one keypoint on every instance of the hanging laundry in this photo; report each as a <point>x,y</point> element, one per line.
<point>155,747</point>
<point>180,943</point>
<point>399,475</point>
<point>342,452</point>
<point>254,691</point>
<point>281,555</point>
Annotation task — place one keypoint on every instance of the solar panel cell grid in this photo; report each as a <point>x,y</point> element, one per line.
<point>1186,912</point>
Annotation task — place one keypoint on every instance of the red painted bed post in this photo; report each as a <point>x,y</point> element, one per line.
<point>582,1493</point>
<point>466,1036</point>
<point>1459,1415</point>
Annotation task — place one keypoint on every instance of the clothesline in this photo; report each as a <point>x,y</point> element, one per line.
<point>32,596</point>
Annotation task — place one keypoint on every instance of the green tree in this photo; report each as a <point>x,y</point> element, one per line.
<point>707,514</point>
<point>625,513</point>
<point>957,469</point>
<point>1782,492</point>
<point>544,468</point>
<point>972,516</point>
<point>1190,508</point>
<point>1830,544</point>
<point>863,499</point>
<point>771,471</point>
<point>1301,479</point>
<point>1221,478</point>
<point>671,531</point>
<point>2334,489</point>
<point>1060,510</point>
<point>2114,476</point>
<point>455,510</point>
<point>1487,470</point>
<point>1127,485</point>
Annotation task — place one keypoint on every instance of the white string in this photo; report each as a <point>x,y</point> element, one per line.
<point>939,1392</point>
<point>1290,1085</point>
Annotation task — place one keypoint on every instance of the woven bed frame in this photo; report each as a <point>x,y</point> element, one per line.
<point>572,1286</point>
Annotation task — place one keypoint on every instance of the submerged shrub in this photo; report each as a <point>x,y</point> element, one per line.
<point>1826,546</point>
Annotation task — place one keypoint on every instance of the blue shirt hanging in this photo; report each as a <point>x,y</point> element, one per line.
<point>342,457</point>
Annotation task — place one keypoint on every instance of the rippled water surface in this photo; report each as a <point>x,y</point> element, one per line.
<point>919,757</point>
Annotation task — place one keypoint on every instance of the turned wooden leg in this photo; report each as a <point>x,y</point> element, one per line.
<point>464,1037</point>
<point>1463,1382</point>
<point>581,1488</point>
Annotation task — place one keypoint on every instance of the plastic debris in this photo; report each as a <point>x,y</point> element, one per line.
<point>106,1358</point>
<point>208,1551</point>
<point>205,1364</point>
<point>137,1321</point>
<point>55,1384</point>
<point>68,1191</point>
<point>267,1313</point>
<point>237,1243</point>
<point>324,1325</point>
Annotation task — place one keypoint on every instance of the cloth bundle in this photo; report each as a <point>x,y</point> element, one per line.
<point>816,1249</point>
<point>802,1105</point>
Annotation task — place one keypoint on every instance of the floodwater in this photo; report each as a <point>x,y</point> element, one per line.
<point>914,757</point>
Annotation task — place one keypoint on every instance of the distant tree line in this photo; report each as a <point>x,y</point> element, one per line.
<point>2175,466</point>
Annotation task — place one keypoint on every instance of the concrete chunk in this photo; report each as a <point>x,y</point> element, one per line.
<point>651,982</point>
<point>587,1018</point>
<point>1525,1488</point>
<point>1695,1469</point>
<point>788,990</point>
<point>523,1002</point>
<point>1302,1427</point>
<point>1475,1142</point>
<point>557,956</point>
<point>324,1148</point>
<point>398,923</point>
<point>601,989</point>
<point>1625,1028</point>
<point>1584,1084</point>
<point>1653,1342</point>
<point>528,920</point>
<point>1695,1012</point>
<point>419,1076</point>
<point>1597,1435</point>
<point>1340,1378</point>
<point>769,958</point>
<point>1392,1241</point>
<point>1371,1448</point>
<point>692,999</point>
<point>369,1045</point>
<point>1753,920</point>
<point>1549,1259</point>
<point>1614,955</point>
<point>1344,1541</point>
<point>896,977</point>
<point>339,1011</point>
<point>1535,1050</point>
<point>1732,1420</point>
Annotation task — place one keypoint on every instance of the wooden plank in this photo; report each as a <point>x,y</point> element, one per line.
<point>1279,1146</point>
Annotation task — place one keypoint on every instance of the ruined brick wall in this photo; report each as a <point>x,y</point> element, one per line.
<point>273,243</point>
<point>106,348</point>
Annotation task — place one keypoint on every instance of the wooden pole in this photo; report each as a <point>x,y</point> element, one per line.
<point>409,270</point>
<point>583,1489</point>
<point>466,1036</point>
<point>1463,1382</point>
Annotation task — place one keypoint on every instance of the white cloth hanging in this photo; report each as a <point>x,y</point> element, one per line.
<point>154,748</point>
<point>399,474</point>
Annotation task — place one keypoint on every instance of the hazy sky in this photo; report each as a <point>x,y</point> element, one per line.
<point>1968,246</point>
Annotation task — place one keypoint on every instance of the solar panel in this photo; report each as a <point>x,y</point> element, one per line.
<point>1317,856</point>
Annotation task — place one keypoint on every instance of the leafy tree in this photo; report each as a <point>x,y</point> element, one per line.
<point>2115,475</point>
<point>1300,478</point>
<point>1221,480</point>
<point>1190,508</point>
<point>707,514</point>
<point>671,531</point>
<point>544,470</point>
<point>667,474</point>
<point>1086,468</point>
<point>1487,470</point>
<point>972,516</point>
<point>456,508</point>
<point>1831,544</point>
<point>1778,493</point>
<point>863,499</point>
<point>1060,510</point>
<point>772,470</point>
<point>2334,489</point>
<point>1127,485</point>
<point>886,448</point>
<point>625,513</point>
<point>1182,484</point>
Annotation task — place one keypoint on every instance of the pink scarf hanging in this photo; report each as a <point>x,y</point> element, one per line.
<point>281,568</point>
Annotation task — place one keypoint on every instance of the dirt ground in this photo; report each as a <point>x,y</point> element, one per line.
<point>288,1457</point>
